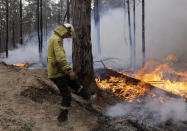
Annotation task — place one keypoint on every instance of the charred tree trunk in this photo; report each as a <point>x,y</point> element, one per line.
<point>82,47</point>
<point>38,22</point>
<point>7,28</point>
<point>41,28</point>
<point>130,34</point>
<point>134,40</point>
<point>143,31</point>
<point>13,35</point>
<point>21,24</point>
<point>68,12</point>
<point>97,25</point>
<point>0,42</point>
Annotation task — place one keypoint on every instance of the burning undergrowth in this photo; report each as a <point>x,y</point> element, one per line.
<point>156,92</point>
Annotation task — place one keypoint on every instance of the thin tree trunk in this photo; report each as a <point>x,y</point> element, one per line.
<point>13,35</point>
<point>143,31</point>
<point>21,24</point>
<point>130,35</point>
<point>38,22</point>
<point>46,30</point>
<point>7,28</point>
<point>82,47</point>
<point>134,40</point>
<point>68,12</point>
<point>41,24</point>
<point>0,42</point>
<point>97,25</point>
<point>41,29</point>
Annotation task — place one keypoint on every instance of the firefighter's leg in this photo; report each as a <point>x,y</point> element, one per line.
<point>79,89</point>
<point>66,98</point>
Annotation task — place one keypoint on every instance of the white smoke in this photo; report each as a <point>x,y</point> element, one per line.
<point>26,53</point>
<point>29,52</point>
<point>175,109</point>
<point>165,29</point>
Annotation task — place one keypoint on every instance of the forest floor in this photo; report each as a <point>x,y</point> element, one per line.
<point>29,101</point>
<point>25,106</point>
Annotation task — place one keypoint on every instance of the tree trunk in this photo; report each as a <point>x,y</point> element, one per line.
<point>68,13</point>
<point>134,40</point>
<point>143,31</point>
<point>41,28</point>
<point>0,42</point>
<point>82,47</point>
<point>7,28</point>
<point>130,35</point>
<point>21,24</point>
<point>13,34</point>
<point>38,22</point>
<point>97,25</point>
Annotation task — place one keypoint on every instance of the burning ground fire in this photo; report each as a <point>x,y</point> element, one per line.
<point>25,64</point>
<point>161,76</point>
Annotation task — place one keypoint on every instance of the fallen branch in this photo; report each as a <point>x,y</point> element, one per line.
<point>107,73</point>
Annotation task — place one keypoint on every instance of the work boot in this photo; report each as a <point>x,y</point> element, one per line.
<point>63,116</point>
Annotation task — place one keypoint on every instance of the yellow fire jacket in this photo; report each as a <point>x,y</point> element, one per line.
<point>57,63</point>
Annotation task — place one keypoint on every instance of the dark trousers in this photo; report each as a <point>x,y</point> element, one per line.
<point>64,84</point>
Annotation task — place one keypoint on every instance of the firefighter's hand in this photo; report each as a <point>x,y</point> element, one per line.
<point>72,75</point>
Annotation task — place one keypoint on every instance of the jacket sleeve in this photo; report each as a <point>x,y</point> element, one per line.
<point>62,63</point>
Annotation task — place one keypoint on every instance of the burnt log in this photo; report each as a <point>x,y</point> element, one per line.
<point>106,73</point>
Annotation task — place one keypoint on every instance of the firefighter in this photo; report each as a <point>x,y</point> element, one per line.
<point>60,72</point>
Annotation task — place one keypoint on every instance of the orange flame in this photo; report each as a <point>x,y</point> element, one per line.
<point>25,64</point>
<point>161,76</point>
<point>166,78</point>
<point>118,86</point>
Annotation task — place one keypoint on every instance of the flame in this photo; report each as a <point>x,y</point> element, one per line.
<point>171,58</point>
<point>165,78</point>
<point>119,87</point>
<point>161,76</point>
<point>25,64</point>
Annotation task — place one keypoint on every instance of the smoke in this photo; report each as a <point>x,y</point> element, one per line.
<point>29,52</point>
<point>172,109</point>
<point>26,53</point>
<point>165,30</point>
<point>165,33</point>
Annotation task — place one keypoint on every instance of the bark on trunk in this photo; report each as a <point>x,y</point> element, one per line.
<point>134,31</point>
<point>21,24</point>
<point>68,13</point>
<point>7,28</point>
<point>13,35</point>
<point>143,31</point>
<point>97,25</point>
<point>38,22</point>
<point>41,28</point>
<point>82,47</point>
<point>0,42</point>
<point>130,33</point>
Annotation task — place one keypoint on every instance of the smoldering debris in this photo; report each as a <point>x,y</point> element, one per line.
<point>173,109</point>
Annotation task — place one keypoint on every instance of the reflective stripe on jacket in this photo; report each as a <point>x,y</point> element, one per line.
<point>57,63</point>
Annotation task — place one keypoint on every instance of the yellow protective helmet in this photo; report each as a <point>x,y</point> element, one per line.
<point>70,28</point>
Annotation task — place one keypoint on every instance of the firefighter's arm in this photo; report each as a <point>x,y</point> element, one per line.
<point>61,58</point>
